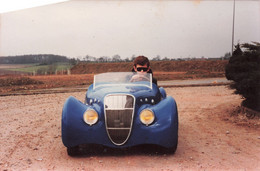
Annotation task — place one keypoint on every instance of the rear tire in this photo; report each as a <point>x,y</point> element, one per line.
<point>73,151</point>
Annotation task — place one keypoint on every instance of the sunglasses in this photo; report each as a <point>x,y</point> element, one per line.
<point>142,68</point>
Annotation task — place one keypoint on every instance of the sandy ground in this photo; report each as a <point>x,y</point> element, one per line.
<point>209,137</point>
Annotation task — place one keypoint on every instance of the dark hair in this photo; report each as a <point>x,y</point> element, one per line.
<point>141,60</point>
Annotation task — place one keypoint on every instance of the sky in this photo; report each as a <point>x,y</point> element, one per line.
<point>172,29</point>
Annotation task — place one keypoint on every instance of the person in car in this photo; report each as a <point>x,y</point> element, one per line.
<point>142,65</point>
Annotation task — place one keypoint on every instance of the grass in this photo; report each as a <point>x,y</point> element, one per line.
<point>30,68</point>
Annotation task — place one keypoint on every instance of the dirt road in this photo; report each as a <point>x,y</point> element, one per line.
<point>209,139</point>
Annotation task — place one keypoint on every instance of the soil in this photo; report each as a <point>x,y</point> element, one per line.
<point>26,84</point>
<point>213,135</point>
<point>13,82</point>
<point>195,66</point>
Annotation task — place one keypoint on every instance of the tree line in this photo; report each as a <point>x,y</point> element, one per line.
<point>47,59</point>
<point>44,59</point>
<point>117,58</point>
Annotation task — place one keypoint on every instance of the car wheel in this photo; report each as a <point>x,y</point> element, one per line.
<point>172,149</point>
<point>73,151</point>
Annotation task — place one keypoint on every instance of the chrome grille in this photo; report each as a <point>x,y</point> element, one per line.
<point>119,110</point>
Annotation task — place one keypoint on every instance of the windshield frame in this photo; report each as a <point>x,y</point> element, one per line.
<point>105,80</point>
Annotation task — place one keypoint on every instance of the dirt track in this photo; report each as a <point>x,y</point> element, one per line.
<point>209,139</point>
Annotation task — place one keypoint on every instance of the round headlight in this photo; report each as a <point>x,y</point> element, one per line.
<point>147,117</point>
<point>90,117</point>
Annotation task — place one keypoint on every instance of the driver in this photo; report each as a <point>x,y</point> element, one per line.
<point>142,65</point>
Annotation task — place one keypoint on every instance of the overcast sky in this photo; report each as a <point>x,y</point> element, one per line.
<point>173,29</point>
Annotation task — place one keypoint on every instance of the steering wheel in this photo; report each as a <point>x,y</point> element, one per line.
<point>139,77</point>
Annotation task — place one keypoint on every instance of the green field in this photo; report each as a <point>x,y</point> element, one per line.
<point>30,68</point>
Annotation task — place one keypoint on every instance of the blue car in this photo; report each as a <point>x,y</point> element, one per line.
<point>121,109</point>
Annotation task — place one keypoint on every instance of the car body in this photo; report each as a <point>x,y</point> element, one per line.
<point>121,109</point>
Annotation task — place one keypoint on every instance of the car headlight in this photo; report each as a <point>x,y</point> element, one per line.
<point>147,117</point>
<point>90,116</point>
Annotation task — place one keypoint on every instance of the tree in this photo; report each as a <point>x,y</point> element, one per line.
<point>133,58</point>
<point>116,58</point>
<point>244,69</point>
<point>127,60</point>
<point>87,58</point>
<point>227,55</point>
<point>165,59</point>
<point>157,58</point>
<point>73,61</point>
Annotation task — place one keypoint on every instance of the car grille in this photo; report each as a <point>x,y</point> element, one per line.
<point>119,110</point>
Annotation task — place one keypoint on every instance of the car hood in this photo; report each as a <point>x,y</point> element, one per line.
<point>137,91</point>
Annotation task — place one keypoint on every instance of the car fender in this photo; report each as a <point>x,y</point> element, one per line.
<point>163,131</point>
<point>74,129</point>
<point>163,92</point>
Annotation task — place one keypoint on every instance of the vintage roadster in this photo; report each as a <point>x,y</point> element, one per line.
<point>121,109</point>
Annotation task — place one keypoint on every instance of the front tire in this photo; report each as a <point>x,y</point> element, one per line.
<point>73,151</point>
<point>171,150</point>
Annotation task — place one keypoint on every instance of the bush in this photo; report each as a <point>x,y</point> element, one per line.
<point>244,69</point>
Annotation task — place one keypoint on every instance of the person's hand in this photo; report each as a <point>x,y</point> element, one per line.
<point>139,77</point>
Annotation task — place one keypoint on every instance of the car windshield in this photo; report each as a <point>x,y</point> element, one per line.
<point>123,78</point>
